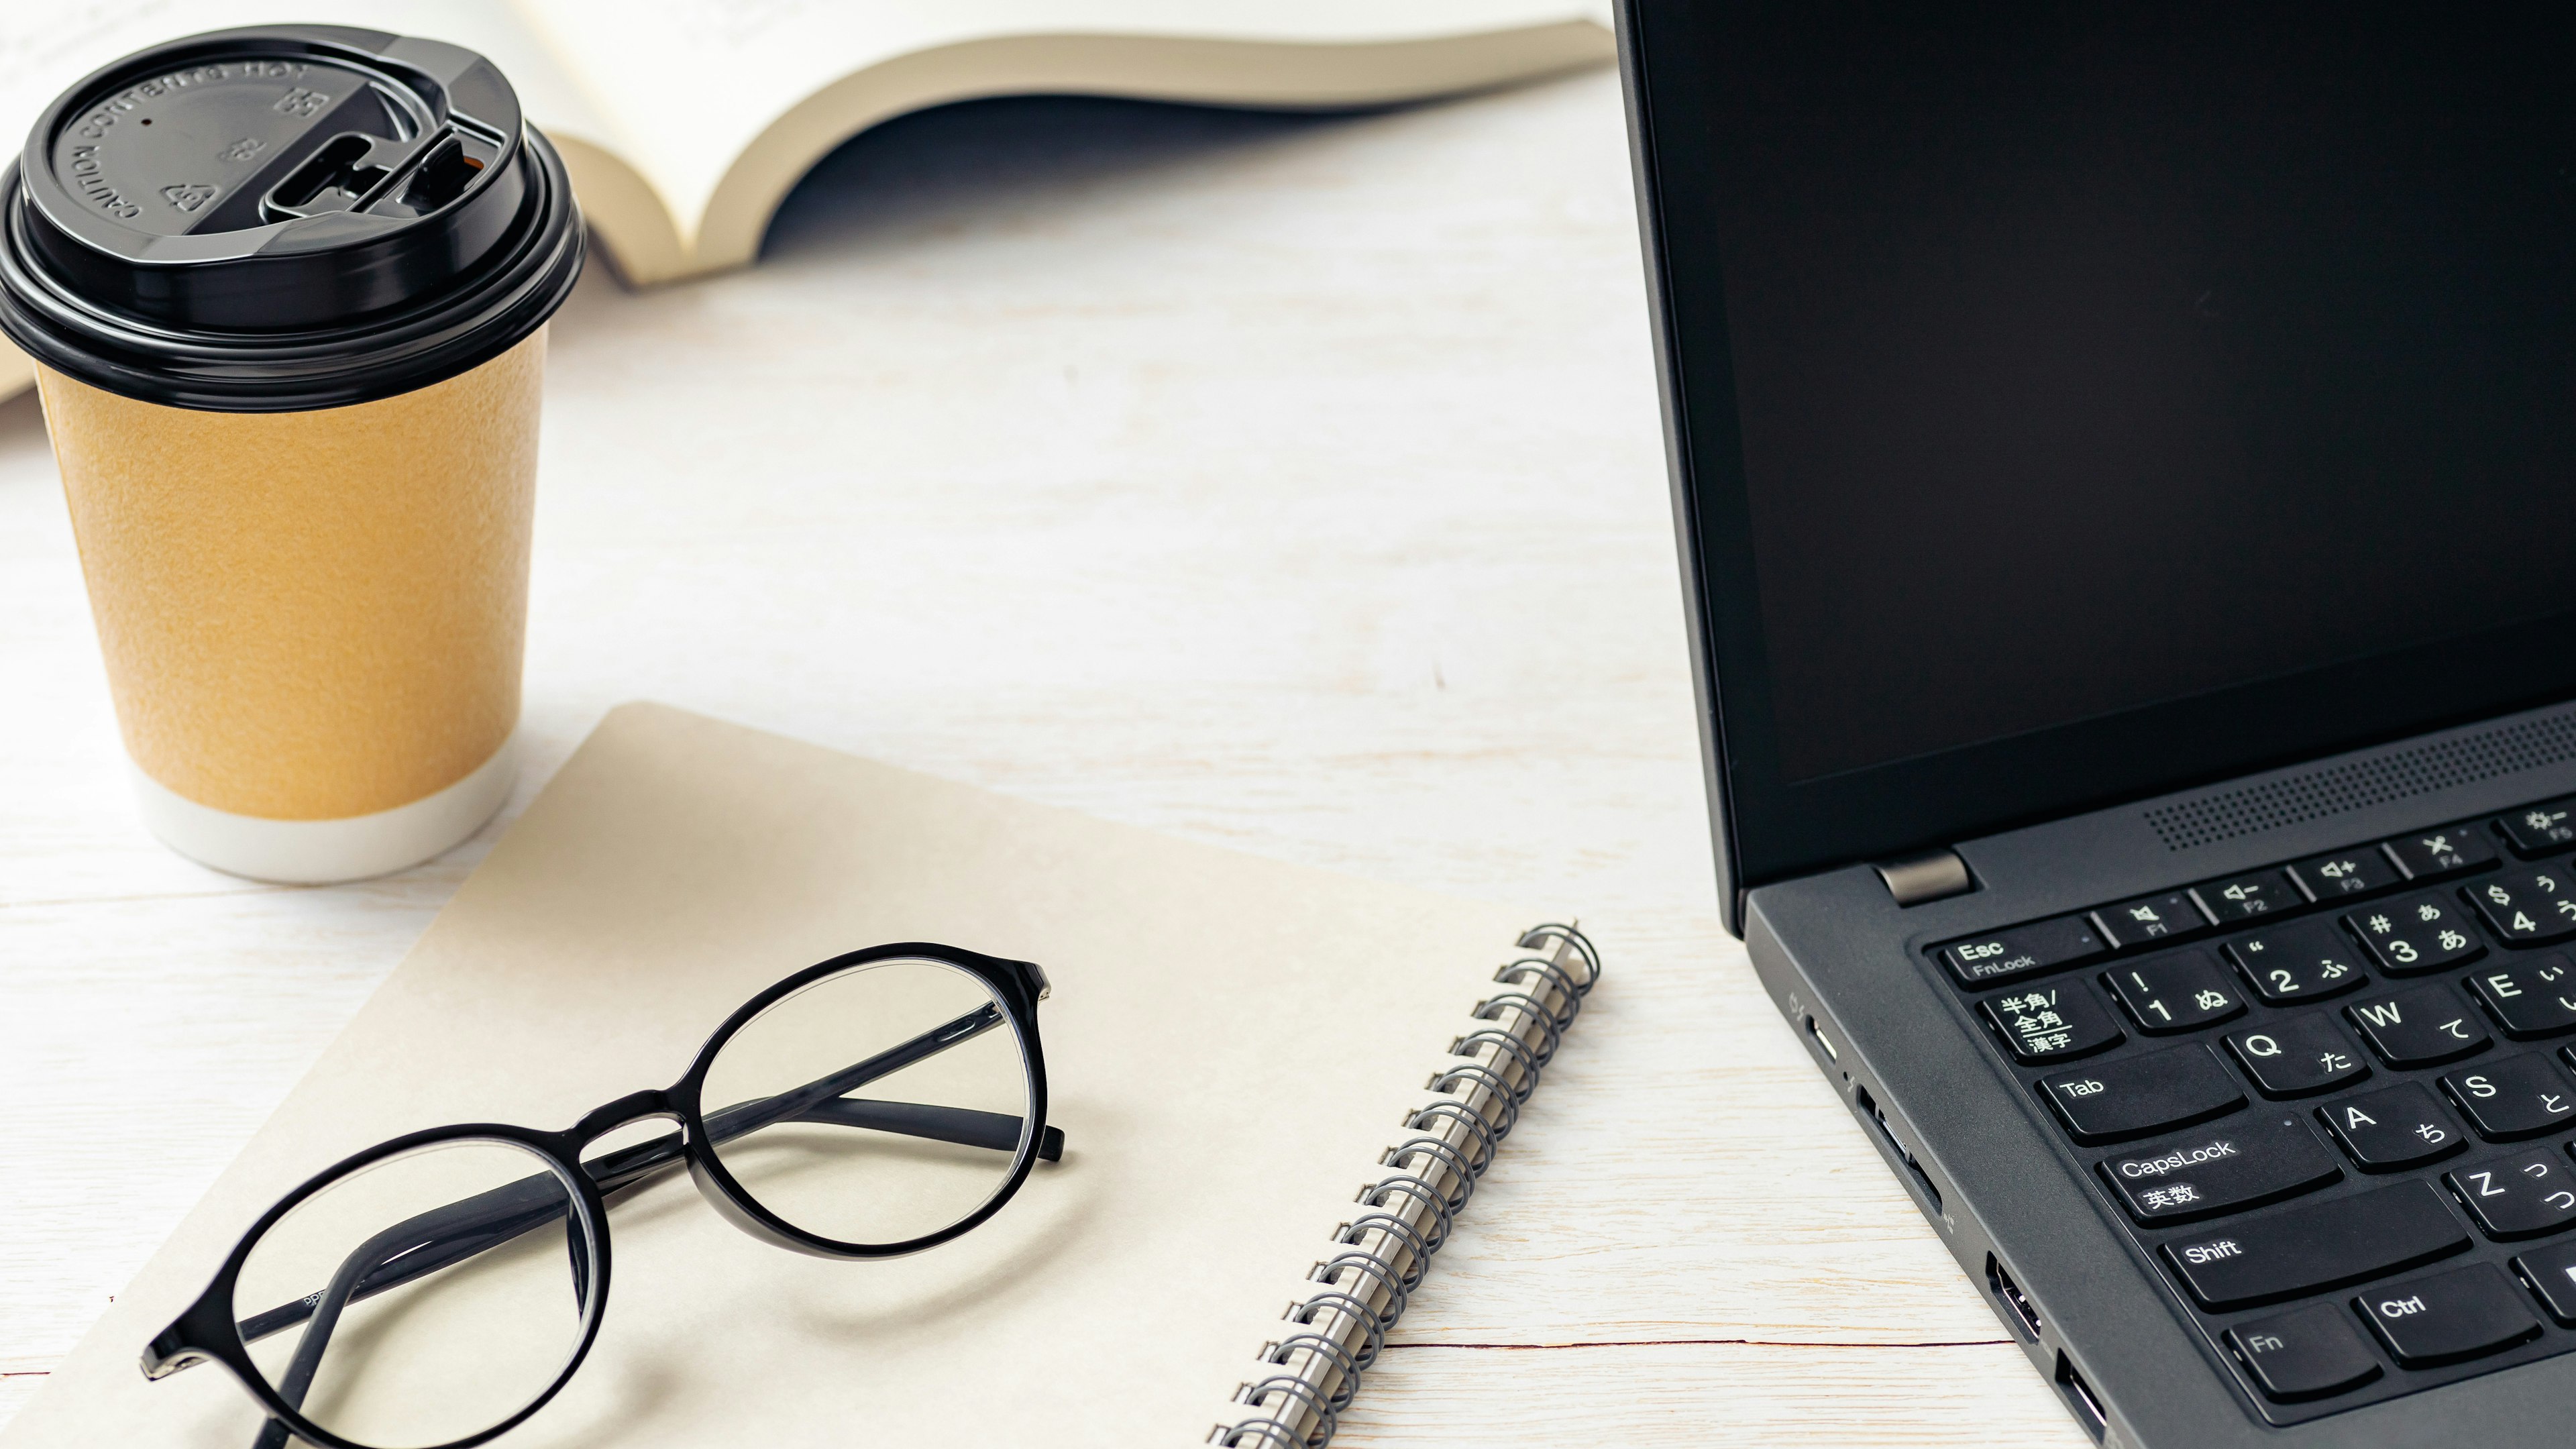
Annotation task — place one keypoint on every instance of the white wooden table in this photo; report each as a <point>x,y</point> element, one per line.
<point>1288,483</point>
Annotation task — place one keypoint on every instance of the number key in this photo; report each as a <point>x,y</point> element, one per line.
<point>2174,993</point>
<point>2527,906</point>
<point>2416,933</point>
<point>2298,963</point>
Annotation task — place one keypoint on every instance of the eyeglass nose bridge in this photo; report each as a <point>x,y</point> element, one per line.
<point>625,1111</point>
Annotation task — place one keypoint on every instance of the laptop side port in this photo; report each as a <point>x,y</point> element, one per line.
<point>1878,1118</point>
<point>2008,1293</point>
<point>2079,1398</point>
<point>1823,1042</point>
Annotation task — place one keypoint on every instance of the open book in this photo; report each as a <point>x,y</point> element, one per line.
<point>685,122</point>
<point>1277,1088</point>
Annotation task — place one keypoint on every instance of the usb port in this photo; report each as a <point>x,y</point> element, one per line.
<point>1822,1043</point>
<point>2008,1294</point>
<point>1878,1119</point>
<point>2079,1397</point>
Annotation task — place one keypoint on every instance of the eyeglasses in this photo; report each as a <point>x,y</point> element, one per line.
<point>433,1291</point>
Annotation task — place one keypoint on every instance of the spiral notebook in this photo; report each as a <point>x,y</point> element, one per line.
<point>1278,1088</point>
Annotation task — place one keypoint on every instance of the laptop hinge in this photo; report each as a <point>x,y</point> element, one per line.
<point>1926,877</point>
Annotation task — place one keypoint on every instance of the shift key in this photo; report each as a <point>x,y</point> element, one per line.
<point>2317,1246</point>
<point>2133,1096</point>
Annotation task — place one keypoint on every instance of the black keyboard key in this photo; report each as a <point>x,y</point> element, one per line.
<point>2150,919</point>
<point>2421,1027</point>
<point>2417,933</point>
<point>2393,1127</point>
<point>2526,907</point>
<point>2518,1197</point>
<point>2052,1023</point>
<point>2358,872</point>
<point>2516,1097</point>
<point>2246,896</point>
<point>2023,950</point>
<point>2312,1247</point>
<point>2543,828</point>
<point>2297,1055</point>
<point>2530,999</point>
<point>2175,993</point>
<point>2462,1314</point>
<point>2290,964</point>
<point>2115,1101</point>
<point>2551,1272</point>
<point>2221,1169</point>
<point>2306,1353</point>
<point>2448,851</point>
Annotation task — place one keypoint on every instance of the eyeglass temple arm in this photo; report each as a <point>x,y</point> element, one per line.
<point>435,1239</point>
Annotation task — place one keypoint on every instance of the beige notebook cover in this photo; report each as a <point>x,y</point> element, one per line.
<point>1231,1045</point>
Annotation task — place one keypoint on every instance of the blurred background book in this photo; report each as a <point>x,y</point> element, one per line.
<point>685,122</point>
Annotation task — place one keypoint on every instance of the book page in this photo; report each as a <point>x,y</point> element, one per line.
<point>1230,1043</point>
<point>700,86</point>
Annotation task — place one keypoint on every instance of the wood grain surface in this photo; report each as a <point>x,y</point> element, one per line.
<point>1291,483</point>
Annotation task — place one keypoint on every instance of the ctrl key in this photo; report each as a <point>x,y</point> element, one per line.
<point>2464,1313</point>
<point>2308,1353</point>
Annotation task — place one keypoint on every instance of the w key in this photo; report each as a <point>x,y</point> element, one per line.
<point>2419,1028</point>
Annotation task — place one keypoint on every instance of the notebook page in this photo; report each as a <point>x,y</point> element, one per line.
<point>1229,1044</point>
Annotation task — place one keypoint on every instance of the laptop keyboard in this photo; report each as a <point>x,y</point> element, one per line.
<point>2331,1100</point>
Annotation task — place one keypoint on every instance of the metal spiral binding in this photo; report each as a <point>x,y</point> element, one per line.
<point>1411,1211</point>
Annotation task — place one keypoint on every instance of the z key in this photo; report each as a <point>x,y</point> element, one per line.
<point>2527,906</point>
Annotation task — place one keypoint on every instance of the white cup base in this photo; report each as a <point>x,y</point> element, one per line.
<point>321,852</point>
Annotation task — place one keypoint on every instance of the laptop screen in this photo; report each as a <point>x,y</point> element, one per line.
<point>2089,357</point>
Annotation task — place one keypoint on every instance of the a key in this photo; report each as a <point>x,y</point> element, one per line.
<point>2134,1096</point>
<point>2416,933</point>
<point>2311,1247</point>
<point>2306,1353</point>
<point>2543,828</point>
<point>2297,1055</point>
<point>2358,872</point>
<point>2526,906</point>
<point>2446,1317</point>
<point>2150,919</point>
<point>2420,1027</point>
<point>2247,896</point>
<point>2522,1196</point>
<point>2531,998</point>
<point>2448,851</point>
<point>2022,951</point>
<point>2393,1127</point>
<point>2174,993</point>
<point>2221,1169</point>
<point>2551,1272</point>
<point>2513,1098</point>
<point>2301,962</point>
<point>2052,1023</point>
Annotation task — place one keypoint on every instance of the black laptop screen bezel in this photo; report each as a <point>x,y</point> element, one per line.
<point>1770,827</point>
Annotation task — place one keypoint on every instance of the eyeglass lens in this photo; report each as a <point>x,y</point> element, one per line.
<point>422,1299</point>
<point>875,1106</point>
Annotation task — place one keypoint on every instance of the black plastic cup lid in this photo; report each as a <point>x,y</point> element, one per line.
<point>283,218</point>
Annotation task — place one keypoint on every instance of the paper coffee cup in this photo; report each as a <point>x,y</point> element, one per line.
<point>286,289</point>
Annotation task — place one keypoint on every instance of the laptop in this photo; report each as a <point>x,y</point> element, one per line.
<point>2125,466</point>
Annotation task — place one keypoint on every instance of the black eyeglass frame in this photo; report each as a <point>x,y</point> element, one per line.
<point>208,1330</point>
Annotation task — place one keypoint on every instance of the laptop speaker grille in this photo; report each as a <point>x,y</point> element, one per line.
<point>2358,784</point>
